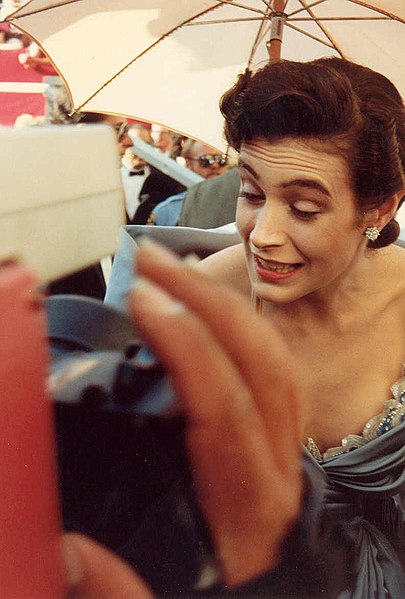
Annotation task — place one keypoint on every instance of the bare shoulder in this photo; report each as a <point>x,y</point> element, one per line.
<point>400,275</point>
<point>229,267</point>
<point>392,269</point>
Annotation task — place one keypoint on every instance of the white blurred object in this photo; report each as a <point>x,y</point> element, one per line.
<point>165,164</point>
<point>60,208</point>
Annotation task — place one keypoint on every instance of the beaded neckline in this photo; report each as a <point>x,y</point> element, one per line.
<point>392,415</point>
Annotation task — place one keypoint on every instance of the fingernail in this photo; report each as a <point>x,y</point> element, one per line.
<point>73,567</point>
<point>153,298</point>
<point>191,259</point>
<point>146,244</point>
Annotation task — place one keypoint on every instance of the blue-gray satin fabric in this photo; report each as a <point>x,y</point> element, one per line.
<point>370,473</point>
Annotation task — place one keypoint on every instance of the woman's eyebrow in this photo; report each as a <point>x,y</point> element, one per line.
<point>251,170</point>
<point>309,183</point>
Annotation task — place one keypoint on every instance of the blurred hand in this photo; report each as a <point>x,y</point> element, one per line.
<point>234,379</point>
<point>94,572</point>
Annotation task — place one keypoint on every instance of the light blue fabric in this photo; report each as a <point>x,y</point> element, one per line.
<point>183,240</point>
<point>167,213</point>
<point>122,272</point>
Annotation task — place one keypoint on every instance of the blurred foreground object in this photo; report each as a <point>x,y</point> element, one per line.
<point>30,564</point>
<point>49,224</point>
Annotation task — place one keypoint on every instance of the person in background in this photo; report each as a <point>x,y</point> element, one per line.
<point>8,38</point>
<point>28,120</point>
<point>163,139</point>
<point>144,185</point>
<point>201,159</point>
<point>211,203</point>
<point>34,58</point>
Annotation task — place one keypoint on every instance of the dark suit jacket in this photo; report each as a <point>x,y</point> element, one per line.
<point>156,188</point>
<point>89,282</point>
<point>211,203</point>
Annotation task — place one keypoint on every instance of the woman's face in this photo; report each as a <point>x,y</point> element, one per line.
<point>297,217</point>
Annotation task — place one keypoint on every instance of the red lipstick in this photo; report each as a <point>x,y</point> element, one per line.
<point>275,275</point>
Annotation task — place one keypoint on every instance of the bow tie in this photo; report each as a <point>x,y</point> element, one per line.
<point>132,173</point>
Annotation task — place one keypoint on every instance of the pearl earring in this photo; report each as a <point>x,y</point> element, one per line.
<point>372,233</point>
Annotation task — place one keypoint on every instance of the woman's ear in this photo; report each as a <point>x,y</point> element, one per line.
<point>381,216</point>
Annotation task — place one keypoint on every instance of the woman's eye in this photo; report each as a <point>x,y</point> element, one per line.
<point>304,214</point>
<point>251,197</point>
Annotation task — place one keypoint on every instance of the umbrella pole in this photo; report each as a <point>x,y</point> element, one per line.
<point>278,18</point>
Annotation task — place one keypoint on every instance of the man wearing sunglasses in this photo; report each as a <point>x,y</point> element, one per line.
<point>150,185</point>
<point>203,160</point>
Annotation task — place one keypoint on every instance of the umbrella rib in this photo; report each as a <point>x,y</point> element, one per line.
<point>322,28</point>
<point>295,12</point>
<point>262,30</point>
<point>161,38</point>
<point>379,10</point>
<point>222,21</point>
<point>313,37</point>
<point>244,6</point>
<point>39,10</point>
<point>316,19</point>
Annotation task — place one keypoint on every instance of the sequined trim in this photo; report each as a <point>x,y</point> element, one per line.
<point>392,415</point>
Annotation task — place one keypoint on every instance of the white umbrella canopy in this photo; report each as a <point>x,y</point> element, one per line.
<point>169,61</point>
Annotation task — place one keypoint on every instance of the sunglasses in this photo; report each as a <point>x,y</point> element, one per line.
<point>121,130</point>
<point>210,159</point>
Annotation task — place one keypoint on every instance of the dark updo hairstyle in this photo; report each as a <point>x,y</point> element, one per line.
<point>355,109</point>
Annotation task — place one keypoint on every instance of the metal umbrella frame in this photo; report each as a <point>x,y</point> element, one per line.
<point>169,61</point>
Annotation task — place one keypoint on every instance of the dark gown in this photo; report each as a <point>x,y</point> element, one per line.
<point>365,488</point>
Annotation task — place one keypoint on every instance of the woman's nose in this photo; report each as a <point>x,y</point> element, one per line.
<point>269,228</point>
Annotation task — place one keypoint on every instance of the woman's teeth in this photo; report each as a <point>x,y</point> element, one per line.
<point>276,266</point>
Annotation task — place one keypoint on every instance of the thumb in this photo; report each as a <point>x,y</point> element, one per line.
<point>95,572</point>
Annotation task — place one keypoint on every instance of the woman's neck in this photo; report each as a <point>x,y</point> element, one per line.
<point>339,306</point>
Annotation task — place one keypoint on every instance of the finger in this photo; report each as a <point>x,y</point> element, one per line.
<point>253,344</point>
<point>236,473</point>
<point>198,365</point>
<point>94,572</point>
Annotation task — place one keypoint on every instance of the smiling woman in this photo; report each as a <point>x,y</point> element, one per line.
<point>322,168</point>
<point>292,213</point>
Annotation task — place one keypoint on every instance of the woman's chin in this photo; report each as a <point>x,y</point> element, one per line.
<point>275,294</point>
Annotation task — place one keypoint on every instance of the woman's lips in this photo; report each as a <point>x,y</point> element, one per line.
<point>273,270</point>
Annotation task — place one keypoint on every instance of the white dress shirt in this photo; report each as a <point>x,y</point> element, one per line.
<point>132,186</point>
